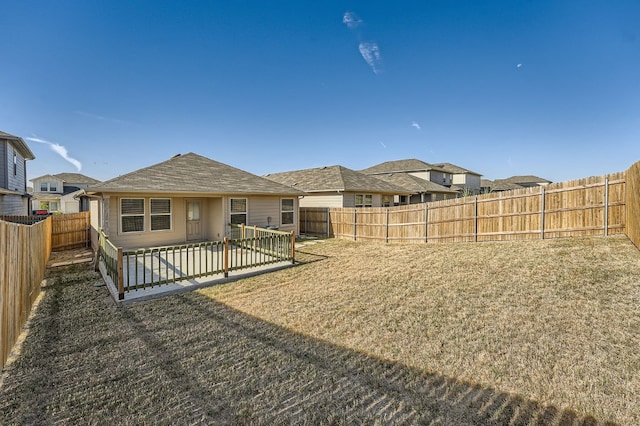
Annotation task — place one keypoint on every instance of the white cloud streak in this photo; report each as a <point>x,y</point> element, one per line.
<point>383,145</point>
<point>371,54</point>
<point>60,150</point>
<point>416,125</point>
<point>351,20</point>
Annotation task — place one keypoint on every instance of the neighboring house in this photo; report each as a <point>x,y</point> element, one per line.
<point>338,186</point>
<point>462,177</point>
<point>188,198</point>
<point>527,181</point>
<point>497,185</point>
<point>14,153</point>
<point>421,190</point>
<point>420,170</point>
<point>61,193</point>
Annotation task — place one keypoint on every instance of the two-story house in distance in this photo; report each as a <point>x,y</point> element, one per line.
<point>14,153</point>
<point>61,193</point>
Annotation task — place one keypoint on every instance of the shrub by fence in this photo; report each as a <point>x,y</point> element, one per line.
<point>24,253</point>
<point>590,206</point>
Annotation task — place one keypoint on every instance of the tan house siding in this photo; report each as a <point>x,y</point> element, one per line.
<point>332,200</point>
<point>264,211</point>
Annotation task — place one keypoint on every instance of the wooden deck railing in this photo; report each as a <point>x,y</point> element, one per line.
<point>131,270</point>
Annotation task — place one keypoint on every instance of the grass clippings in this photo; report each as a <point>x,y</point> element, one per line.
<point>539,332</point>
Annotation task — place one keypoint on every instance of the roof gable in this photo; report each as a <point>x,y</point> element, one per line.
<point>76,178</point>
<point>452,168</point>
<point>334,178</point>
<point>19,145</point>
<point>193,173</point>
<point>397,166</point>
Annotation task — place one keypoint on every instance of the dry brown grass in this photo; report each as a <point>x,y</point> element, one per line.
<point>555,321</point>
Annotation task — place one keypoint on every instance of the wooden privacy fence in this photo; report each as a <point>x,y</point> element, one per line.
<point>633,203</point>
<point>24,253</point>
<point>590,206</point>
<point>71,230</point>
<point>68,231</point>
<point>130,270</point>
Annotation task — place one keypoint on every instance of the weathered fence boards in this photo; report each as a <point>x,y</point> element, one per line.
<point>71,230</point>
<point>633,203</point>
<point>24,253</point>
<point>590,206</point>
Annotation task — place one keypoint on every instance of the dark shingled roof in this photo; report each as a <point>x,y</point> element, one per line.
<point>526,179</point>
<point>452,168</point>
<point>193,173</point>
<point>410,165</point>
<point>335,178</point>
<point>21,146</point>
<point>76,178</point>
<point>414,184</point>
<point>499,185</point>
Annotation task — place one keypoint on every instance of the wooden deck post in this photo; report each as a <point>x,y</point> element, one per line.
<point>120,275</point>
<point>293,247</point>
<point>226,255</point>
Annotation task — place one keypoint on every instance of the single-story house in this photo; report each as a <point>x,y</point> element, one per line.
<point>14,153</point>
<point>338,186</point>
<point>188,198</point>
<point>527,181</point>
<point>61,193</point>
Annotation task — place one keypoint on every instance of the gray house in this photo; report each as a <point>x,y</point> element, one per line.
<point>62,192</point>
<point>188,198</point>
<point>14,153</point>
<point>338,186</point>
<point>426,182</point>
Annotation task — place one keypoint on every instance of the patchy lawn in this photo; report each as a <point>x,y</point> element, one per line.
<point>492,333</point>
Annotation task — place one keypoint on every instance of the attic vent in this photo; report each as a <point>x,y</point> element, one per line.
<point>177,155</point>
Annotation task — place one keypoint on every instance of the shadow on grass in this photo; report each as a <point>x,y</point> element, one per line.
<point>189,359</point>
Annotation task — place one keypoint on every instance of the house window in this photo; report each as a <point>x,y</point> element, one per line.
<point>160,214</point>
<point>53,206</point>
<point>53,187</point>
<point>44,186</point>
<point>286,211</point>
<point>238,211</point>
<point>364,200</point>
<point>15,164</point>
<point>132,214</point>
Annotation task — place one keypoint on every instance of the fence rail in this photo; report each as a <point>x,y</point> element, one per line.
<point>590,206</point>
<point>24,253</point>
<point>150,267</point>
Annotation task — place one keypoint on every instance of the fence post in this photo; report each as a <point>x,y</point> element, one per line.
<point>542,208</point>
<point>293,247</point>
<point>386,238</point>
<point>475,220</point>
<point>120,275</point>
<point>328,222</point>
<point>606,206</point>
<point>242,231</point>
<point>226,256</point>
<point>426,222</point>
<point>355,221</point>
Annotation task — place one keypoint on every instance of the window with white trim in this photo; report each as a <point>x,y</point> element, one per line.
<point>286,211</point>
<point>364,200</point>
<point>132,215</point>
<point>238,211</point>
<point>160,209</point>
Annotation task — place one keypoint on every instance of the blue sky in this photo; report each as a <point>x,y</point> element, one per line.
<point>544,87</point>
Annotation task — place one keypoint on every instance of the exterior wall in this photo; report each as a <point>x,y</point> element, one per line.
<point>4,147</point>
<point>468,180</point>
<point>332,200</point>
<point>14,181</point>
<point>14,205</point>
<point>215,219</point>
<point>37,182</point>
<point>72,206</point>
<point>95,220</point>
